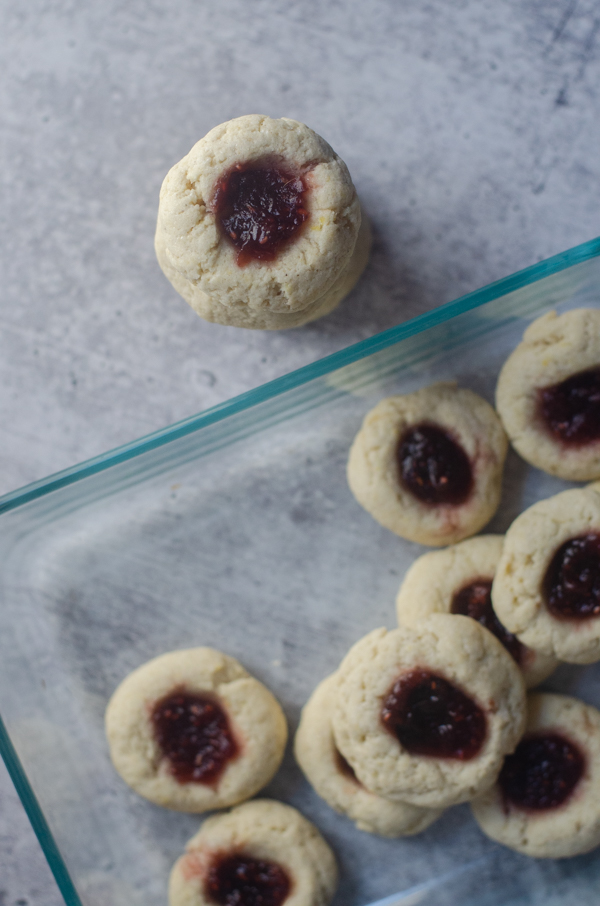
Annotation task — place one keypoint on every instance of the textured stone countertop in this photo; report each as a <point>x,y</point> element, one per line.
<point>471,129</point>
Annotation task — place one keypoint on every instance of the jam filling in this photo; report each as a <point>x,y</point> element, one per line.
<point>571,410</point>
<point>571,586</point>
<point>193,733</point>
<point>260,207</point>
<point>475,601</point>
<point>240,880</point>
<point>542,772</point>
<point>433,466</point>
<point>430,716</point>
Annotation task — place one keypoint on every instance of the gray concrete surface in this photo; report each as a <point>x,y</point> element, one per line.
<point>471,128</point>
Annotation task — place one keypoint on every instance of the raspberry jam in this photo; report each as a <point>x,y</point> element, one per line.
<point>571,586</point>
<point>542,773</point>
<point>260,207</point>
<point>475,601</point>
<point>433,466</point>
<point>240,880</point>
<point>571,410</point>
<point>430,716</point>
<point>193,733</point>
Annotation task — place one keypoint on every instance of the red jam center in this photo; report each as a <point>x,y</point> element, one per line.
<point>430,716</point>
<point>240,880</point>
<point>571,585</point>
<point>475,601</point>
<point>194,735</point>
<point>571,409</point>
<point>260,207</point>
<point>542,772</point>
<point>433,466</point>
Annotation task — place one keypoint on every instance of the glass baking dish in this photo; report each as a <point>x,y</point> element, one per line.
<point>236,529</point>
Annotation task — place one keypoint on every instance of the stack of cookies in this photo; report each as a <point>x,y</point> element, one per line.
<point>259,225</point>
<point>414,720</point>
<point>435,713</point>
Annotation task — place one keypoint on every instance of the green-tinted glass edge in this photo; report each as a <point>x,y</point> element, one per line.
<point>364,348</point>
<point>37,819</point>
<point>360,350</point>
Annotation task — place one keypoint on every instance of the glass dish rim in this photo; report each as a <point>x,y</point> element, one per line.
<point>577,255</point>
<point>300,376</point>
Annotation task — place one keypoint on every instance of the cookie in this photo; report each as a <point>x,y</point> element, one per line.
<point>259,225</point>
<point>547,586</point>
<point>426,714</point>
<point>548,394</point>
<point>428,465</point>
<point>191,730</point>
<point>546,803</point>
<point>459,580</point>
<point>335,781</point>
<point>260,852</point>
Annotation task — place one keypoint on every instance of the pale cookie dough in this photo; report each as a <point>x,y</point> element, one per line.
<point>265,831</point>
<point>518,591</point>
<point>554,348</point>
<point>309,276</point>
<point>256,722</point>
<point>568,829</point>
<point>334,781</point>
<point>464,654</point>
<point>374,471</point>
<point>433,580</point>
